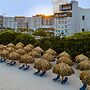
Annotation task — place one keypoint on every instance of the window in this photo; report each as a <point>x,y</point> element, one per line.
<point>65,22</point>
<point>59,22</point>
<point>65,30</point>
<point>83,17</point>
<point>83,30</point>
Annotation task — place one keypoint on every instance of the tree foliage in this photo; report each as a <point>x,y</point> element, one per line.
<point>76,44</point>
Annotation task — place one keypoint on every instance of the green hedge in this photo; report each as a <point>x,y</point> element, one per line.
<point>76,44</point>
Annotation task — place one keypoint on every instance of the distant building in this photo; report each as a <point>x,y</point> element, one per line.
<point>21,22</point>
<point>1,22</point>
<point>41,21</point>
<point>36,22</point>
<point>71,19</point>
<point>9,22</point>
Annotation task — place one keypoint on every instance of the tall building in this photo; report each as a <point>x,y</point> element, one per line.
<point>41,21</point>
<point>1,21</point>
<point>15,22</point>
<point>9,22</point>
<point>21,22</point>
<point>36,22</point>
<point>71,19</point>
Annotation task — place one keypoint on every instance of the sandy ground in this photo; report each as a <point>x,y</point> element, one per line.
<point>11,78</point>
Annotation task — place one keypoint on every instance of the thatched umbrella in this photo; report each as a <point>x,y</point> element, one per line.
<point>65,60</point>
<point>84,65</point>
<point>2,47</point>
<point>42,65</point>
<point>19,45</point>
<point>80,58</point>
<point>27,59</point>
<point>63,70</point>
<point>21,51</point>
<point>39,50</point>
<point>85,77</point>
<point>34,54</point>
<point>4,53</point>
<point>10,49</point>
<point>51,51</point>
<point>10,45</point>
<point>63,54</point>
<point>13,56</point>
<point>30,45</point>
<point>48,57</point>
<point>28,48</point>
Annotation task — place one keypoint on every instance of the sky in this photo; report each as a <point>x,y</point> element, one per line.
<point>31,7</point>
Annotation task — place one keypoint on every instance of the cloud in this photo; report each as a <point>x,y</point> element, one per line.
<point>56,4</point>
<point>59,1</point>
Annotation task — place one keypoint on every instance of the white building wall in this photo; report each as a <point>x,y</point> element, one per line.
<point>35,22</point>
<point>75,23</point>
<point>62,25</point>
<point>9,22</point>
<point>84,24</point>
<point>74,26</point>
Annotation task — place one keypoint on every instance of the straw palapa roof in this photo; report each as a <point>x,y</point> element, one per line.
<point>51,51</point>
<point>80,58</point>
<point>63,69</point>
<point>84,65</point>
<point>27,48</point>
<point>63,54</point>
<point>34,54</point>
<point>13,56</point>
<point>10,49</point>
<point>65,60</point>
<point>26,59</point>
<point>43,65</point>
<point>48,57</point>
<point>85,76</point>
<point>38,49</point>
<point>2,47</point>
<point>21,51</point>
<point>10,45</point>
<point>4,53</point>
<point>19,45</point>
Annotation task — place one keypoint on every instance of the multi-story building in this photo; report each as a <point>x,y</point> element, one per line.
<point>21,22</point>
<point>48,21</point>
<point>42,21</point>
<point>15,22</point>
<point>1,22</point>
<point>71,19</point>
<point>36,22</point>
<point>9,22</point>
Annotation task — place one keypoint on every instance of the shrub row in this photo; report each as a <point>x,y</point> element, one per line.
<point>74,45</point>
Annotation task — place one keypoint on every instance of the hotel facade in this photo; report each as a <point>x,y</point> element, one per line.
<point>68,19</point>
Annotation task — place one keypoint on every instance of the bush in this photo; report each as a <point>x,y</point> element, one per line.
<point>77,44</point>
<point>25,39</point>
<point>7,37</point>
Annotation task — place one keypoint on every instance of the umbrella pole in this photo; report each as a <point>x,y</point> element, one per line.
<point>62,78</point>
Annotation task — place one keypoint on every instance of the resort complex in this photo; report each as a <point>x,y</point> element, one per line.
<point>68,19</point>
<point>45,52</point>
